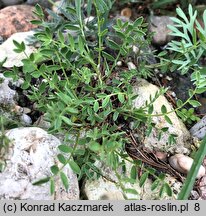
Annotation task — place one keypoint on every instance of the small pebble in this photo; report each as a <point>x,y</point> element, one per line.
<point>183,164</point>
<point>119,63</point>
<point>161,155</point>
<point>168,78</point>
<point>26,119</point>
<point>127,12</point>
<point>194,195</point>
<point>173,94</point>
<point>131,66</point>
<point>26,110</point>
<point>135,49</point>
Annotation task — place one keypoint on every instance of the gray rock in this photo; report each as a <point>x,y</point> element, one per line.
<point>158,25</point>
<point>183,141</point>
<point>13,58</point>
<point>9,110</point>
<point>199,129</point>
<point>32,151</point>
<point>11,2</point>
<point>7,95</point>
<point>25,119</point>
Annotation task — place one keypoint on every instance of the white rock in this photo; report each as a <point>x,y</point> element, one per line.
<point>131,66</point>
<point>31,153</point>
<point>119,63</point>
<point>13,58</point>
<point>135,49</point>
<point>183,141</point>
<point>183,164</point>
<point>199,129</point>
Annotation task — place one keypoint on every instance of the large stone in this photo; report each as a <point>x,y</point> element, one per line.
<point>16,19</point>
<point>199,129</point>
<point>145,90</point>
<point>7,49</point>
<point>158,25</point>
<point>32,151</point>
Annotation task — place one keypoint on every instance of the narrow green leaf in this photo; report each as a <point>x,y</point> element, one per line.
<point>72,27</point>
<point>78,8</point>
<point>163,109</point>
<point>155,184</point>
<point>65,148</point>
<point>108,56</point>
<point>138,21</point>
<point>121,97</point>
<point>36,22</point>
<point>54,169</point>
<point>190,92</point>
<point>71,42</point>
<point>17,44</point>
<point>103,33</point>
<point>81,44</point>
<point>168,189</point>
<point>61,37</point>
<point>150,109</point>
<point>194,103</point>
<point>52,186</point>
<point>39,10</point>
<point>168,119</point>
<point>131,191</point>
<point>179,103</point>
<point>72,110</point>
<point>201,90</point>
<point>115,115</point>
<point>133,172</point>
<point>162,190</point>
<point>41,181</point>
<point>113,45</point>
<point>74,166</point>
<point>105,101</point>
<point>96,106</point>
<point>69,122</point>
<point>64,180</point>
<point>61,159</point>
<point>143,178</point>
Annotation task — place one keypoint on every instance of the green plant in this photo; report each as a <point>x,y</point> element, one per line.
<point>87,97</point>
<point>4,144</point>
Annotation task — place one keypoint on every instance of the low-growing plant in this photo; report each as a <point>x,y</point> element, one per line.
<point>4,145</point>
<point>87,97</point>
